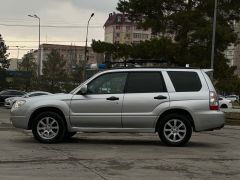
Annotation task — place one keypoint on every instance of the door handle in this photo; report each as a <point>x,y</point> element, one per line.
<point>113,98</point>
<point>160,97</point>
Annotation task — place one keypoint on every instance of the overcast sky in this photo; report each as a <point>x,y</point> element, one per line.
<point>52,12</point>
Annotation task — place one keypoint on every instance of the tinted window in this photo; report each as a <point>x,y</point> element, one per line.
<point>36,94</point>
<point>145,82</point>
<point>18,93</point>
<point>112,83</point>
<point>185,81</point>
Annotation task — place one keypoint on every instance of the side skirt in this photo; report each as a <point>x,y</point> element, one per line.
<point>117,130</point>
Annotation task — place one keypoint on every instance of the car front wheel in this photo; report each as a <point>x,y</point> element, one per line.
<point>175,130</point>
<point>49,127</point>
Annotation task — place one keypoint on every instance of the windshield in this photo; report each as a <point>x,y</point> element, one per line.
<point>2,92</point>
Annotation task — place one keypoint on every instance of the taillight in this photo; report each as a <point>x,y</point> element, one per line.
<point>213,101</point>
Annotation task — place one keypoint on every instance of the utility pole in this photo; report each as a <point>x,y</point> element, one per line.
<point>39,41</point>
<point>213,37</point>
<point>18,48</point>
<point>86,49</point>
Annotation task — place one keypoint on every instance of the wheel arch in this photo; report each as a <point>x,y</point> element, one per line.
<point>175,111</point>
<point>44,109</point>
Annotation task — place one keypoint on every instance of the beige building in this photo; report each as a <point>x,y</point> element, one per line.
<point>14,62</point>
<point>233,52</point>
<point>74,55</point>
<point>119,29</point>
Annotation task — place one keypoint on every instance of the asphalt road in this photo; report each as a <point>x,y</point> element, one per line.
<point>112,156</point>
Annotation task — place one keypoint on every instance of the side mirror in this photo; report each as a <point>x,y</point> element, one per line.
<point>83,90</point>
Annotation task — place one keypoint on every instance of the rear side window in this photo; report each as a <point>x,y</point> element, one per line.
<point>145,82</point>
<point>185,81</point>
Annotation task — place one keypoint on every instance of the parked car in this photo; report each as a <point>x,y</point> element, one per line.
<point>10,101</point>
<point>171,102</point>
<point>224,103</point>
<point>9,93</point>
<point>233,98</point>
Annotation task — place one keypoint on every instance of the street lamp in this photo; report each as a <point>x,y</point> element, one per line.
<point>39,40</point>
<point>213,36</point>
<point>85,52</point>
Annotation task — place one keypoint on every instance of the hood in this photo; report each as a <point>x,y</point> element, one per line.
<point>60,96</point>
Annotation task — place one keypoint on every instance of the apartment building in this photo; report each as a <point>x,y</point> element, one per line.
<point>119,29</point>
<point>74,55</point>
<point>14,64</point>
<point>233,52</point>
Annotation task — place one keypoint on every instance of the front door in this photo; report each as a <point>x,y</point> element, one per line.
<point>102,105</point>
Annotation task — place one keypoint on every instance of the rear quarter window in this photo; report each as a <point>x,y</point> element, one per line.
<point>185,81</point>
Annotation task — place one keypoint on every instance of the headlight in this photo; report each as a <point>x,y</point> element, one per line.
<point>18,104</point>
<point>8,100</point>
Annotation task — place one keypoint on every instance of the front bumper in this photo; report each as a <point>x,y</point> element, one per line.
<point>7,104</point>
<point>19,122</point>
<point>19,118</point>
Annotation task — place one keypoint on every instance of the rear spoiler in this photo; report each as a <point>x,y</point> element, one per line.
<point>207,70</point>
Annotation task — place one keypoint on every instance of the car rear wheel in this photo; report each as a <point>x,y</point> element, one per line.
<point>49,127</point>
<point>175,130</point>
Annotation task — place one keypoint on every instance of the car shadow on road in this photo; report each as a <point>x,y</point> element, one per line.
<point>133,142</point>
<point>125,141</point>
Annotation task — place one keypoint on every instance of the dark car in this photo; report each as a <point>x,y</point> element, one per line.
<point>9,93</point>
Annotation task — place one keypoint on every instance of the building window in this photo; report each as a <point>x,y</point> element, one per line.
<point>128,28</point>
<point>117,35</point>
<point>137,35</point>
<point>119,19</point>
<point>136,42</point>
<point>137,28</point>
<point>118,27</point>
<point>144,36</point>
<point>128,35</point>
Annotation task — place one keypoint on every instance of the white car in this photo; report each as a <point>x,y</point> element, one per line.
<point>10,101</point>
<point>224,103</point>
<point>233,98</point>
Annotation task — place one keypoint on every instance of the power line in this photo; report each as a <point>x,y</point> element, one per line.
<point>47,26</point>
<point>21,49</point>
<point>41,41</point>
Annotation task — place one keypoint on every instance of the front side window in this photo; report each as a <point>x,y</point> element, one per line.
<point>112,83</point>
<point>145,82</point>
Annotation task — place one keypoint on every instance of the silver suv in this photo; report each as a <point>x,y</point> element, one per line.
<point>172,102</point>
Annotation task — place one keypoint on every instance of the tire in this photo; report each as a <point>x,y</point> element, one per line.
<point>51,133</point>
<point>68,135</point>
<point>224,106</point>
<point>177,134</point>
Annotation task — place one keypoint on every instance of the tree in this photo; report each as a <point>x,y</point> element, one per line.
<point>4,63</point>
<point>29,67</point>
<point>158,49</point>
<point>54,72</point>
<point>190,25</point>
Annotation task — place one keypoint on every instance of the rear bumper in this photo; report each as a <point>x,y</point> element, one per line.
<point>209,120</point>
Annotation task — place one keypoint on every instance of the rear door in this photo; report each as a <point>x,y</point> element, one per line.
<point>144,92</point>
